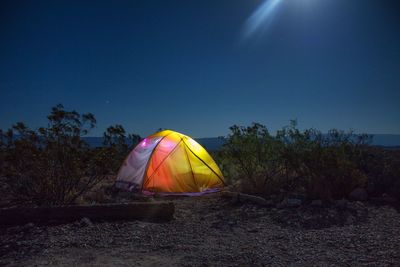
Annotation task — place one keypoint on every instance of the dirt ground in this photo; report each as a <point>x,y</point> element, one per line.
<point>212,231</point>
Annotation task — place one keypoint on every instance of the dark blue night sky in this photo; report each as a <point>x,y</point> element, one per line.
<point>189,66</point>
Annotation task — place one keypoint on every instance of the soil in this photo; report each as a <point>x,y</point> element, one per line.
<point>211,230</point>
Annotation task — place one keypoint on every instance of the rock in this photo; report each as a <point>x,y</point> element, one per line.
<point>27,227</point>
<point>269,203</point>
<point>165,246</point>
<point>388,199</point>
<point>242,198</point>
<point>342,203</point>
<point>350,220</point>
<point>216,224</point>
<point>359,205</point>
<point>317,203</point>
<point>282,204</point>
<point>86,222</point>
<point>299,196</point>
<point>383,200</point>
<point>359,194</point>
<point>235,199</point>
<point>293,202</point>
<point>289,203</point>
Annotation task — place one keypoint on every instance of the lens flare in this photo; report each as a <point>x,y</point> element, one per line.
<point>260,18</point>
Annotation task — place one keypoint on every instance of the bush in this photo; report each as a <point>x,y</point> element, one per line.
<point>52,165</point>
<point>324,166</point>
<point>383,169</point>
<point>117,144</point>
<point>251,155</point>
<point>308,162</point>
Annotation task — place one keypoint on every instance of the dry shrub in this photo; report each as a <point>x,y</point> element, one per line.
<point>53,165</point>
<point>294,161</point>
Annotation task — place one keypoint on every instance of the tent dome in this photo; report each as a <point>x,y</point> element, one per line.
<point>170,162</point>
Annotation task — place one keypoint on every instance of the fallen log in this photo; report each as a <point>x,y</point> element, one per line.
<point>240,197</point>
<point>153,211</point>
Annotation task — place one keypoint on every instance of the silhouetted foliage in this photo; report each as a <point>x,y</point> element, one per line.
<point>53,165</point>
<point>383,169</point>
<point>117,144</point>
<point>253,154</point>
<point>324,166</point>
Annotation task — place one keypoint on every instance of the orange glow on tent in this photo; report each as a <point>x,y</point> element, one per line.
<point>171,162</point>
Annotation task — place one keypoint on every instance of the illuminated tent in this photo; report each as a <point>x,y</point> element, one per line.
<point>169,162</point>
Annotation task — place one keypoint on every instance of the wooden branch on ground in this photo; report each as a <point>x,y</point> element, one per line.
<point>153,211</point>
<point>240,197</point>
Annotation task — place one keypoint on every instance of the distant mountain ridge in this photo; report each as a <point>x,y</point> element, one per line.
<point>215,143</point>
<point>386,139</point>
<point>210,143</point>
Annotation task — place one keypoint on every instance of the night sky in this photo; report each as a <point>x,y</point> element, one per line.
<point>193,66</point>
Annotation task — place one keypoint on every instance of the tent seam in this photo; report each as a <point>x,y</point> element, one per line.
<point>147,163</point>
<point>190,164</point>
<point>204,162</point>
<point>172,151</point>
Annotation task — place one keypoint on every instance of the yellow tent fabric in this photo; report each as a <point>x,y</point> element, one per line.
<point>170,162</point>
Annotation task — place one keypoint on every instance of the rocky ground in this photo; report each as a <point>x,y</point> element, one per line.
<point>211,230</point>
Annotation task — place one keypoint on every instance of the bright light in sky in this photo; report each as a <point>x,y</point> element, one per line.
<point>260,18</point>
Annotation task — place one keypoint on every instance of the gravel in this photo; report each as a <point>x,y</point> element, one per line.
<point>210,230</point>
